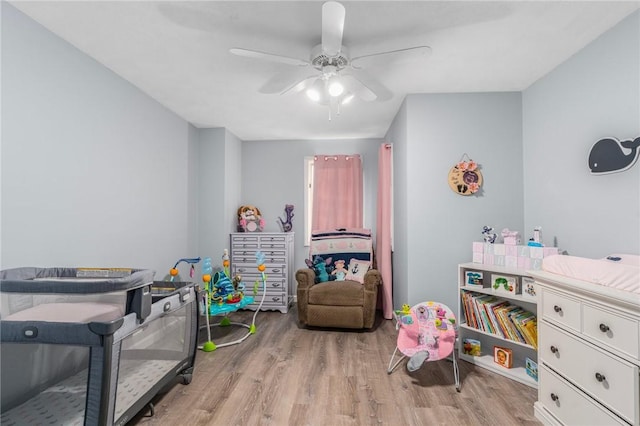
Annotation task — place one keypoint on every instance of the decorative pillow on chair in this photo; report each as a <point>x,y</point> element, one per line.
<point>357,269</point>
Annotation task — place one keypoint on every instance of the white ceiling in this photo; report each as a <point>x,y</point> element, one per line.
<point>178,53</point>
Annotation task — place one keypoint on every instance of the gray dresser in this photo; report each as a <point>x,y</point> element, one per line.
<point>278,250</point>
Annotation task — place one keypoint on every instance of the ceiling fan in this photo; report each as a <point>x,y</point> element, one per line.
<point>337,77</point>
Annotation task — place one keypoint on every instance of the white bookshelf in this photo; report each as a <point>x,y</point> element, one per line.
<point>488,340</point>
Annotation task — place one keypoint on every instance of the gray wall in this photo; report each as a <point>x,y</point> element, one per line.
<point>594,94</point>
<point>273,175</point>
<point>440,224</point>
<point>93,170</point>
<point>219,181</point>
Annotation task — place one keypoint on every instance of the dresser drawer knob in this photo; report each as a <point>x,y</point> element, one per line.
<point>604,328</point>
<point>554,397</point>
<point>600,377</point>
<point>557,308</point>
<point>553,350</point>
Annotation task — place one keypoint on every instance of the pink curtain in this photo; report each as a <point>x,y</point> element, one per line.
<point>383,227</point>
<point>337,192</point>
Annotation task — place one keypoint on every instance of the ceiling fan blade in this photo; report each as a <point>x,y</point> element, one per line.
<point>364,84</point>
<point>255,54</point>
<point>279,82</point>
<point>359,88</point>
<point>300,85</point>
<point>392,55</point>
<point>332,27</point>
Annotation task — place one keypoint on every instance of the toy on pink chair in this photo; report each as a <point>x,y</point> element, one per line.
<point>426,332</point>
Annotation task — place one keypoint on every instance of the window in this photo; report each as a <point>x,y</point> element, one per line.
<point>344,201</point>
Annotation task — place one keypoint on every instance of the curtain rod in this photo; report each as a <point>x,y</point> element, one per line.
<point>335,157</point>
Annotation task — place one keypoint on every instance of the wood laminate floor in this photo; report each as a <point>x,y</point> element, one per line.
<point>289,375</point>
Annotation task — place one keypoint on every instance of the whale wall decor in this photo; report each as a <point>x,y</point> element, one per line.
<point>609,155</point>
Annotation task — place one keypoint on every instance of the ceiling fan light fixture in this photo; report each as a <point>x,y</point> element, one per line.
<point>335,87</point>
<point>317,91</point>
<point>313,94</point>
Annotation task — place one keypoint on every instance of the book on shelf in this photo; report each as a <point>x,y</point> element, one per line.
<point>530,329</point>
<point>481,302</point>
<point>503,356</point>
<point>472,347</point>
<point>498,316</point>
<point>531,368</point>
<point>491,309</point>
<point>515,321</point>
<point>473,279</point>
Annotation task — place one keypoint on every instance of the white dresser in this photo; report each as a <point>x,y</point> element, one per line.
<point>278,250</point>
<point>588,353</point>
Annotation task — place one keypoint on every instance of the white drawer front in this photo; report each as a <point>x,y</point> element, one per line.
<point>272,238</point>
<point>249,273</point>
<point>244,257</point>
<point>272,287</point>
<point>265,246</point>
<point>278,299</point>
<point>244,252</point>
<point>244,245</point>
<point>251,259</point>
<point>611,380</point>
<point>558,308</point>
<point>244,238</point>
<point>612,329</point>
<point>274,253</point>
<point>568,404</point>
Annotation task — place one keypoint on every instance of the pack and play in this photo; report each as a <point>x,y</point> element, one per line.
<point>90,346</point>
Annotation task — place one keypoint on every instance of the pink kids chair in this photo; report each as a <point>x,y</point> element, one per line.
<point>427,332</point>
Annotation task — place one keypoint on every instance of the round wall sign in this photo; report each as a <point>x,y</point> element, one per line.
<point>465,178</point>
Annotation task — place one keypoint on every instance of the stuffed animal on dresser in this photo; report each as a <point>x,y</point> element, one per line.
<point>250,219</point>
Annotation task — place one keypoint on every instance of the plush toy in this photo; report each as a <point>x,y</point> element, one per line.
<point>322,268</point>
<point>340,271</point>
<point>287,225</point>
<point>488,234</point>
<point>250,219</point>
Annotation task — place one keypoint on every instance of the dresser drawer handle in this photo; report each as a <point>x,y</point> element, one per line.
<point>557,308</point>
<point>554,397</point>
<point>600,377</point>
<point>275,270</point>
<point>604,328</point>
<point>553,350</point>
<point>275,299</point>
<point>275,285</point>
